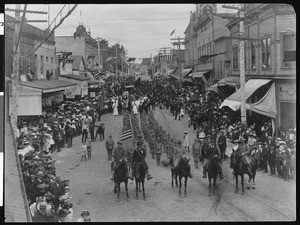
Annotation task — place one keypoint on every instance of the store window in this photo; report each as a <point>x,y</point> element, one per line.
<point>288,53</point>
<point>266,52</point>
<point>42,64</point>
<point>253,55</point>
<point>235,61</point>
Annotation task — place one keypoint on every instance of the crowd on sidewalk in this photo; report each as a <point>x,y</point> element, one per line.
<point>37,138</point>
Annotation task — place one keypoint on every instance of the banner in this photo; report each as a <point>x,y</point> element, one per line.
<point>70,92</point>
<point>84,88</point>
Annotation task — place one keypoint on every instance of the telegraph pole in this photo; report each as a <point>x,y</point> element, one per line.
<point>116,58</point>
<point>241,17</point>
<point>178,56</point>
<point>99,59</point>
<point>16,71</point>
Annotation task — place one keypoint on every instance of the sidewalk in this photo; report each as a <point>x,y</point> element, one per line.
<point>14,206</point>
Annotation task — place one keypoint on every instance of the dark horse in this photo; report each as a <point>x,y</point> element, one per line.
<point>119,177</point>
<point>139,176</point>
<point>213,171</point>
<point>182,171</point>
<point>240,168</point>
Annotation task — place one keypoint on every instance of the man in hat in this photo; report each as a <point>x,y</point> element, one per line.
<point>209,153</point>
<point>41,214</point>
<point>57,189</point>
<point>119,154</point>
<point>139,155</point>
<point>110,145</point>
<point>244,151</point>
<point>179,153</point>
<point>186,143</point>
<point>85,216</point>
<point>196,147</point>
<point>221,140</point>
<point>264,157</point>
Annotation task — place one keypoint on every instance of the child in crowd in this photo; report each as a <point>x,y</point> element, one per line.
<point>83,151</point>
<point>89,148</point>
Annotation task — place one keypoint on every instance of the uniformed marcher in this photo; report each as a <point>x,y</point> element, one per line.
<point>209,153</point>
<point>139,155</point>
<point>179,153</point>
<point>243,150</point>
<point>158,150</point>
<point>110,145</point>
<point>119,155</point>
<point>196,148</point>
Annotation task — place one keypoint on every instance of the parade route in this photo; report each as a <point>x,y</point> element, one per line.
<point>92,188</point>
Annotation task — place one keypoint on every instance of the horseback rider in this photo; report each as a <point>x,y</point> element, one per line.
<point>119,156</point>
<point>178,154</point>
<point>210,152</point>
<point>139,155</point>
<point>243,150</point>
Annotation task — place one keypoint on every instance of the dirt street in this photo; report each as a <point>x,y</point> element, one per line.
<point>272,200</point>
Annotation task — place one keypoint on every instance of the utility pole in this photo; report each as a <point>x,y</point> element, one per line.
<point>122,59</point>
<point>241,17</point>
<point>16,72</point>
<point>179,58</point>
<point>116,58</point>
<point>99,59</point>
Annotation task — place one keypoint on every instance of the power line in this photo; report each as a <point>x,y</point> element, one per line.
<point>62,19</point>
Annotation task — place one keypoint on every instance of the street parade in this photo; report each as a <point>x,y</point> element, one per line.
<point>168,145</point>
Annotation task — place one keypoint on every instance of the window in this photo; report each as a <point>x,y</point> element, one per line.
<point>235,61</point>
<point>42,64</point>
<point>221,69</point>
<point>208,52</point>
<point>245,55</point>
<point>266,53</point>
<point>288,54</point>
<point>253,53</point>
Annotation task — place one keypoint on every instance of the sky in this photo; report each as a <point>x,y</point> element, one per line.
<point>141,28</point>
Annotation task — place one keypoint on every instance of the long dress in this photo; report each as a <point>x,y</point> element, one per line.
<point>115,106</point>
<point>134,108</point>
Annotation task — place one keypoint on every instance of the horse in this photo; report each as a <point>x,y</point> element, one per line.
<point>119,177</point>
<point>139,173</point>
<point>240,168</point>
<point>213,171</point>
<point>182,171</point>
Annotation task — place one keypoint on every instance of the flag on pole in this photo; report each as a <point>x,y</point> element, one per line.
<point>126,134</point>
<point>172,32</point>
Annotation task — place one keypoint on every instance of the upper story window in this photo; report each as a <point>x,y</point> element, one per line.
<point>235,61</point>
<point>253,55</point>
<point>288,53</point>
<point>266,52</point>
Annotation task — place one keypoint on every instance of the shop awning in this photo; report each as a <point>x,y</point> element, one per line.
<point>199,74</point>
<point>29,101</point>
<point>172,71</point>
<point>234,100</point>
<point>266,105</point>
<point>47,86</point>
<point>75,77</point>
<point>231,82</point>
<point>186,72</point>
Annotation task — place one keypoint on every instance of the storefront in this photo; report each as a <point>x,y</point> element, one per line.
<point>79,90</point>
<point>34,95</point>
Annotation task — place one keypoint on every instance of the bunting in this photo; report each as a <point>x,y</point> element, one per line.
<point>126,134</point>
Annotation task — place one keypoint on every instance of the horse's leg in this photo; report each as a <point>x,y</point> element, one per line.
<point>136,189</point>
<point>143,187</point>
<point>180,186</point>
<point>215,184</point>
<point>115,188</point>
<point>248,185</point>
<point>253,179</point>
<point>172,183</point>
<point>236,184</point>
<point>176,179</point>
<point>209,186</point>
<point>140,187</point>
<point>185,183</point>
<point>126,182</point>
<point>118,186</point>
<point>242,182</point>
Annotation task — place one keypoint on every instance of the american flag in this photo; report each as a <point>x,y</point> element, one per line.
<point>125,135</point>
<point>97,76</point>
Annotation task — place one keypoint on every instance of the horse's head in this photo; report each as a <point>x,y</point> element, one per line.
<point>184,163</point>
<point>234,157</point>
